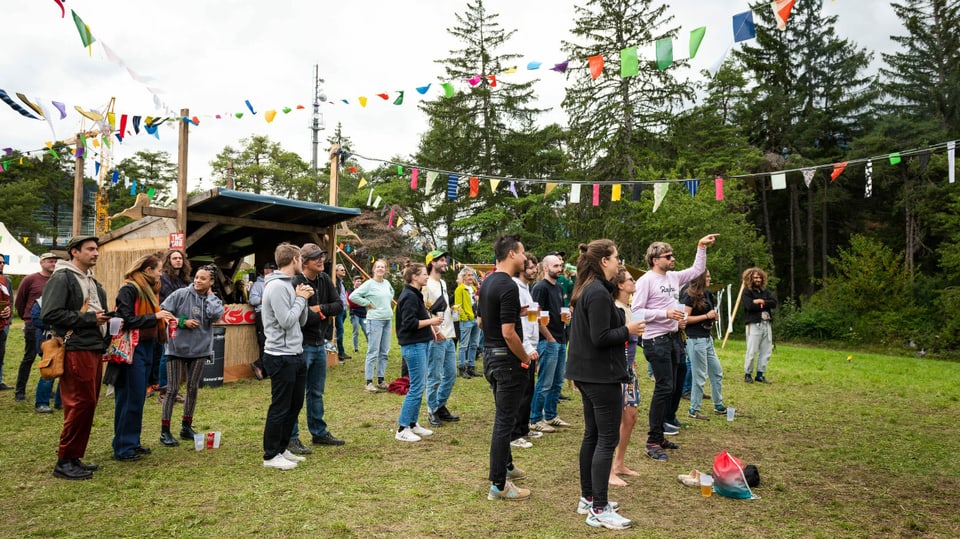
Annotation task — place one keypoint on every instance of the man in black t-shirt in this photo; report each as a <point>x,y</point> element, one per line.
<point>504,361</point>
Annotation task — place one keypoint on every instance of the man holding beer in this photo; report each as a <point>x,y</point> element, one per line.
<point>552,348</point>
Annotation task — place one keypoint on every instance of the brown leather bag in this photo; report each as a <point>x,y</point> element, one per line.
<point>54,350</point>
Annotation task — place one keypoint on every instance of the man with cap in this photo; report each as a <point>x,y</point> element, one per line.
<point>256,299</point>
<point>74,305</point>
<point>322,309</point>
<point>27,293</point>
<point>6,314</point>
<point>442,353</point>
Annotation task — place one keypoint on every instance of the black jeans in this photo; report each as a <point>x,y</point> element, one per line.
<point>665,354</point>
<point>522,427</point>
<point>507,379</point>
<point>602,410</point>
<point>288,381</point>
<point>29,355</point>
<point>678,381</point>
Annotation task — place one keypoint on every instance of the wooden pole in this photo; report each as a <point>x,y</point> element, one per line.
<point>182,152</point>
<point>732,316</point>
<point>78,188</point>
<point>334,187</point>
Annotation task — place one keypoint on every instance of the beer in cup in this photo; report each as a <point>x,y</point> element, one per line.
<point>544,318</point>
<point>533,310</point>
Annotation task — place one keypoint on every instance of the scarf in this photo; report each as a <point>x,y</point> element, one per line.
<point>148,303</point>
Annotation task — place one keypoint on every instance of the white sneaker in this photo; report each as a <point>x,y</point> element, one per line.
<point>420,431</point>
<point>407,435</point>
<point>372,388</point>
<point>583,507</point>
<point>533,435</point>
<point>291,457</point>
<point>279,463</point>
<point>542,426</point>
<point>521,443</point>
<point>557,422</point>
<point>608,518</point>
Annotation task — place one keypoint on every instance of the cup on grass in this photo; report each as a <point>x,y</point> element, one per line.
<point>216,439</point>
<point>706,485</point>
<point>198,442</point>
<point>731,411</point>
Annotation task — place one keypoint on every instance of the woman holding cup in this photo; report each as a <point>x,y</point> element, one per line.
<point>626,286</point>
<point>469,332</point>
<point>595,363</point>
<point>196,308</point>
<point>138,305</point>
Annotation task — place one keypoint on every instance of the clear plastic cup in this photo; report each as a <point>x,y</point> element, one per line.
<point>198,442</point>
<point>115,323</point>
<point>706,485</point>
<point>731,411</point>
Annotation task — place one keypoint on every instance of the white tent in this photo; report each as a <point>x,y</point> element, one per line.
<point>21,260</point>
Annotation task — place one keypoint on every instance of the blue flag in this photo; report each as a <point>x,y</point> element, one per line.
<point>743,28</point>
<point>452,187</point>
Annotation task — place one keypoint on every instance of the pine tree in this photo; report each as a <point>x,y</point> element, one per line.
<point>923,79</point>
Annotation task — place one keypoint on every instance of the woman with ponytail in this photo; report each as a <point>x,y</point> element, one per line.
<point>139,306</point>
<point>596,364</point>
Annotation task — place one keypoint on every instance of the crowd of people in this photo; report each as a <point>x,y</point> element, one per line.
<point>533,322</point>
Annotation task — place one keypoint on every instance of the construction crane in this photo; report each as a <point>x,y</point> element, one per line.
<point>102,128</point>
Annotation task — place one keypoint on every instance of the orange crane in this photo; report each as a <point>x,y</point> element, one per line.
<point>102,128</point>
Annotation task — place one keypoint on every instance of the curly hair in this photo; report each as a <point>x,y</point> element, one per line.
<point>748,277</point>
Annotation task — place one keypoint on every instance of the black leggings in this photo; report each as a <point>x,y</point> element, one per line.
<point>602,409</point>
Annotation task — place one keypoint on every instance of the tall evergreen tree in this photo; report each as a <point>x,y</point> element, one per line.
<point>923,78</point>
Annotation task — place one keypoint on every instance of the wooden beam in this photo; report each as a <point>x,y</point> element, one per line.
<point>78,190</point>
<point>182,152</point>
<point>199,233</point>
<point>234,221</point>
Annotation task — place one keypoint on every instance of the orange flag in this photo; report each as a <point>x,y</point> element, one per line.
<point>474,186</point>
<point>596,65</point>
<point>837,170</point>
<point>781,11</point>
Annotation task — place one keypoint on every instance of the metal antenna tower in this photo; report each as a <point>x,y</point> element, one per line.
<point>318,97</point>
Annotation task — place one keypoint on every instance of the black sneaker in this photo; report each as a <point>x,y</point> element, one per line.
<point>434,420</point>
<point>762,379</point>
<point>297,448</point>
<point>327,439</point>
<point>444,415</point>
<point>747,378</point>
<point>167,439</point>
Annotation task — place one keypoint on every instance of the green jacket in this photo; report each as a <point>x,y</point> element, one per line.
<point>62,300</point>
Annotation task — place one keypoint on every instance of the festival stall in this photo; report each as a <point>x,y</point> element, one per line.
<point>223,227</point>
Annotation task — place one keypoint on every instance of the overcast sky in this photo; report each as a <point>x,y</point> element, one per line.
<point>212,56</point>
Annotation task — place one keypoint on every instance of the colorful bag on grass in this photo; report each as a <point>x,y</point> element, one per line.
<point>728,478</point>
<point>122,346</point>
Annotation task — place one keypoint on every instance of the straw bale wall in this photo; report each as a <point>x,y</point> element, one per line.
<point>117,255</point>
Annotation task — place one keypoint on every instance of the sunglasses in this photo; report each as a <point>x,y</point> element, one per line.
<point>668,257</point>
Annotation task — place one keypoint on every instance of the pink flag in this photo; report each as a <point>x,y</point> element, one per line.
<point>390,222</point>
<point>596,194</point>
<point>414,174</point>
<point>718,183</point>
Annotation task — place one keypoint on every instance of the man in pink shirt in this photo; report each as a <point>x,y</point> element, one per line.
<point>656,301</point>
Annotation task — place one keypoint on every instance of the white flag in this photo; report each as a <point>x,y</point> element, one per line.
<point>808,176</point>
<point>868,171</point>
<point>575,193</point>
<point>659,193</point>
<point>952,160</point>
<point>779,181</point>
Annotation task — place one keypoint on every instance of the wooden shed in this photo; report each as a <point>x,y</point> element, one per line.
<point>223,227</point>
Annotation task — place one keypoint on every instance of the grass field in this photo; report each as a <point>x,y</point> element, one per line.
<point>861,448</point>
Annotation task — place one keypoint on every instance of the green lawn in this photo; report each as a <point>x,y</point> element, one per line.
<point>865,448</point>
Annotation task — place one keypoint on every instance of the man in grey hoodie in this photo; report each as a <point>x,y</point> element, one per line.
<point>73,305</point>
<point>284,310</point>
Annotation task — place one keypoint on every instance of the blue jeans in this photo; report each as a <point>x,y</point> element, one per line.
<point>378,346</point>
<point>415,356</point>
<point>44,391</point>
<point>704,360</point>
<point>688,379</point>
<point>546,394</point>
<point>128,401</point>
<point>469,340</point>
<point>162,376</point>
<point>288,378</point>
<point>359,324</point>
<point>441,373</point>
<point>341,318</point>
<point>315,358</point>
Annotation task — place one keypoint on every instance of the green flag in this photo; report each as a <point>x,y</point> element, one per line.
<point>85,36</point>
<point>399,99</point>
<point>696,36</point>
<point>895,158</point>
<point>629,64</point>
<point>664,53</point>
<point>447,89</point>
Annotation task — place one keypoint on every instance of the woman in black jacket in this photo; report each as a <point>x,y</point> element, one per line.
<point>139,306</point>
<point>414,334</point>
<point>595,363</point>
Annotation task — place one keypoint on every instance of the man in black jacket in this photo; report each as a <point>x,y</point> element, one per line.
<point>757,302</point>
<point>73,304</point>
<point>322,309</point>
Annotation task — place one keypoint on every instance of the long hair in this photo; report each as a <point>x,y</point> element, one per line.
<point>182,274</point>
<point>697,291</point>
<point>588,265</point>
<point>748,277</point>
<point>147,287</point>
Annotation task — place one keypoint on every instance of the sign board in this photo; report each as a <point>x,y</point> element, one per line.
<point>178,241</point>
<point>236,314</point>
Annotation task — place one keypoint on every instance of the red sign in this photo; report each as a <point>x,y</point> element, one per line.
<point>236,314</point>
<point>178,240</point>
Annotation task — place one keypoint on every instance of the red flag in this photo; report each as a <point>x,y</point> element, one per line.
<point>493,80</point>
<point>383,96</point>
<point>781,12</point>
<point>837,170</point>
<point>390,222</point>
<point>352,169</point>
<point>596,65</point>
<point>718,183</point>
<point>474,186</point>
<point>123,126</point>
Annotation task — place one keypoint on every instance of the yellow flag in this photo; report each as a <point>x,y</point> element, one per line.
<point>616,193</point>
<point>494,184</point>
<point>270,115</point>
<point>512,69</point>
<point>363,101</point>
<point>550,187</point>
<point>363,181</point>
<point>399,221</point>
<point>112,120</point>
